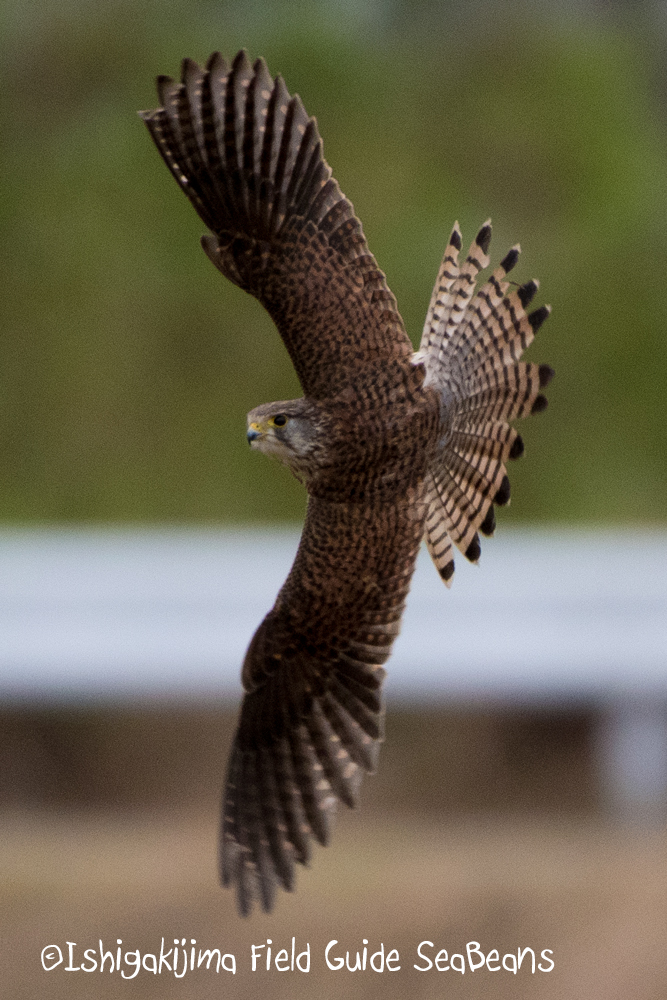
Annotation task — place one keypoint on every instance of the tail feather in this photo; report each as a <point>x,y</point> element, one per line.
<point>442,297</point>
<point>471,347</point>
<point>437,537</point>
<point>487,319</point>
<point>493,439</point>
<point>496,325</point>
<point>463,287</point>
<point>454,288</point>
<point>500,394</point>
<point>479,480</point>
<point>461,513</point>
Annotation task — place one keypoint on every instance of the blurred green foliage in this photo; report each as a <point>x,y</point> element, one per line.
<point>127,363</point>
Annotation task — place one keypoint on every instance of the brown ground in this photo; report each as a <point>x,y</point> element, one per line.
<point>91,853</point>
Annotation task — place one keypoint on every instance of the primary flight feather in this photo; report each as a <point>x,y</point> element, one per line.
<point>392,446</point>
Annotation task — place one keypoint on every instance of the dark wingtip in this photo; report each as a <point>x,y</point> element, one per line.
<point>488,525</point>
<point>540,404</point>
<point>474,550</point>
<point>546,374</point>
<point>483,238</point>
<point>538,316</point>
<point>243,902</point>
<point>447,572</point>
<point>163,83</point>
<point>510,259</point>
<point>288,880</point>
<point>526,294</point>
<point>211,60</point>
<point>240,59</point>
<point>502,497</point>
<point>455,238</point>
<point>268,894</point>
<point>187,65</point>
<point>517,449</point>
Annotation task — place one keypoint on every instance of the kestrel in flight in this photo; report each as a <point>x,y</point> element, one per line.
<point>393,446</point>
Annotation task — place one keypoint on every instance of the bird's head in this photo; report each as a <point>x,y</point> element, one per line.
<point>290,431</point>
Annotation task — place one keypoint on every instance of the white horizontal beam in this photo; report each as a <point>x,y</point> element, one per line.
<point>119,613</point>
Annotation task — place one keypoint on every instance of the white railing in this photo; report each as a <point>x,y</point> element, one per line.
<point>547,617</point>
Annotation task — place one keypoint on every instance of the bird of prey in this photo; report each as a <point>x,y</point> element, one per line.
<point>393,446</point>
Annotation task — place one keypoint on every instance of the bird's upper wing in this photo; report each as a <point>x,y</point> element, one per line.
<point>311,719</point>
<point>250,161</point>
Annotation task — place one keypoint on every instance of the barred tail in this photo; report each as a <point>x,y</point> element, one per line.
<point>471,346</point>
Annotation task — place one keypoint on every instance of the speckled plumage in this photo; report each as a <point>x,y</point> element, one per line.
<point>391,446</point>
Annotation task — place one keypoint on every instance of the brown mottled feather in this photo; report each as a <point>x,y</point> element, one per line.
<point>250,161</point>
<point>321,664</point>
<point>394,446</point>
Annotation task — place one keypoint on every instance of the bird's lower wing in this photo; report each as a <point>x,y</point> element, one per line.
<point>250,160</point>
<point>311,719</point>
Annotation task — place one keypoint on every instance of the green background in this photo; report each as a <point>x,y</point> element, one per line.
<point>127,363</point>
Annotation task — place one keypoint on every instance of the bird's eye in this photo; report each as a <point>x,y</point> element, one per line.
<point>279,420</point>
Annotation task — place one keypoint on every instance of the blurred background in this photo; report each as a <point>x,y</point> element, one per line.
<point>530,814</point>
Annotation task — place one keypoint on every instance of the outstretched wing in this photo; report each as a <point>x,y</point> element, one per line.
<point>250,161</point>
<point>311,719</point>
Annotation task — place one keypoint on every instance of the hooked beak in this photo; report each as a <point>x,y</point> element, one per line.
<point>253,433</point>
